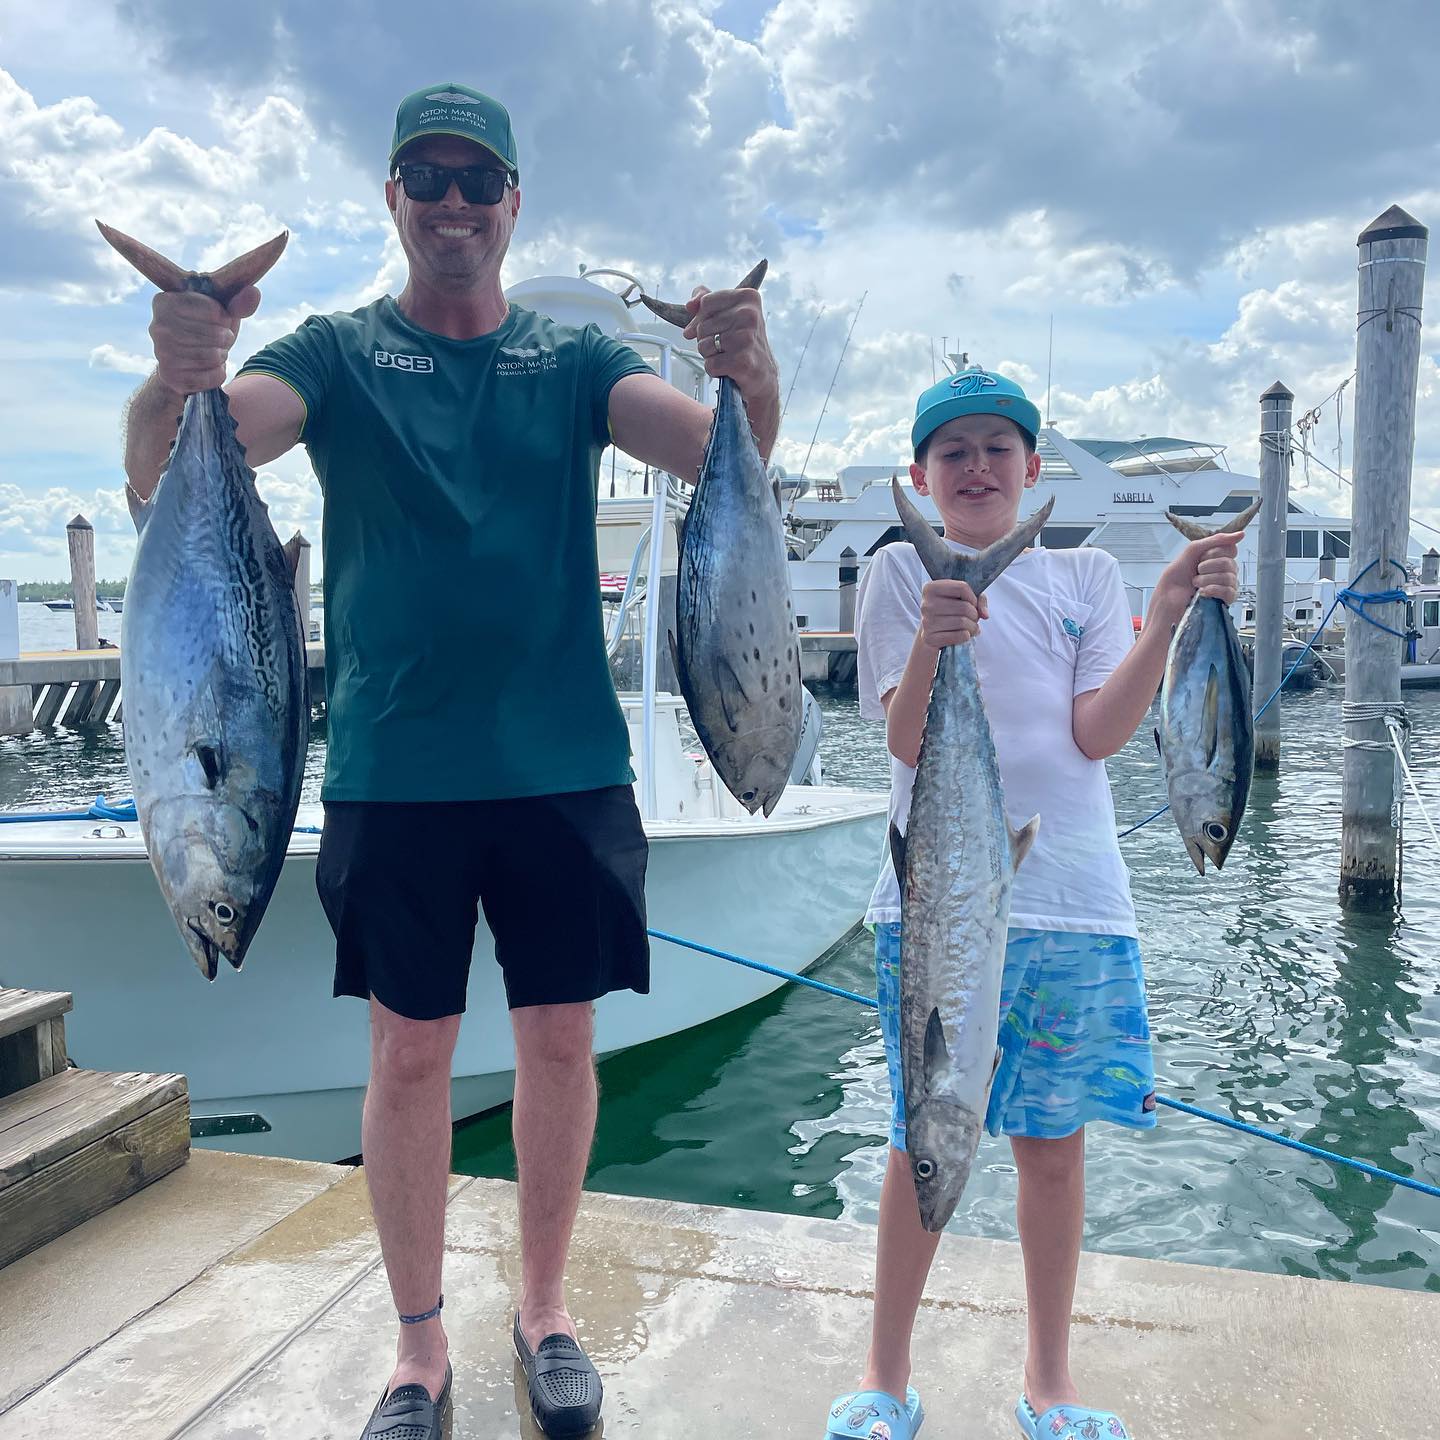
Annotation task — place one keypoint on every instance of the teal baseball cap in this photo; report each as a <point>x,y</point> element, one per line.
<point>973,392</point>
<point>451,109</point>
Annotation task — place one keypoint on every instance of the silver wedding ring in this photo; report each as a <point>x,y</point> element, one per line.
<point>715,341</point>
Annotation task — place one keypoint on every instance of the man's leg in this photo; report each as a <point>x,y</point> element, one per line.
<point>406,1135</point>
<point>554,1126</point>
<point>1051,1215</point>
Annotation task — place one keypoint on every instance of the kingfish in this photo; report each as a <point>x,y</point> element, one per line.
<point>735,643</point>
<point>1206,735</point>
<point>212,663</point>
<point>956,864</point>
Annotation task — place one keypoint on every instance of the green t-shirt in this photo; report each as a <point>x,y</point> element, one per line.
<point>464,639</point>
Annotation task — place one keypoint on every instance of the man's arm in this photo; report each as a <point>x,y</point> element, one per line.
<point>656,423</point>
<point>192,335</point>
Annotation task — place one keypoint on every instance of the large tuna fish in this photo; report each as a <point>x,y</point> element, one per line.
<point>737,652</point>
<point>1206,734</point>
<point>212,664</point>
<point>956,864</point>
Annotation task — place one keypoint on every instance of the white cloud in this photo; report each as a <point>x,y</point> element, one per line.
<point>108,357</point>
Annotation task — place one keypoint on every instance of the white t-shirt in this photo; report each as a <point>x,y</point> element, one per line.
<point>1059,625</point>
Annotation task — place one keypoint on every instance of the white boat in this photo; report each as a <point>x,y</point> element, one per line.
<point>277,1066</point>
<point>1112,494</point>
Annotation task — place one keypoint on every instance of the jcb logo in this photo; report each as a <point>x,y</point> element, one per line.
<point>419,364</point>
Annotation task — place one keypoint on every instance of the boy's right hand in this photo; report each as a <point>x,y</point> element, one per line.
<point>950,613</point>
<point>192,335</point>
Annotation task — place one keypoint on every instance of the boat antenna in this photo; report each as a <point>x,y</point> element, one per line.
<point>1050,369</point>
<point>932,359</point>
<point>833,379</point>
<point>800,362</point>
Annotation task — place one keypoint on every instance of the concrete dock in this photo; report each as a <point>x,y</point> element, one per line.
<point>244,1297</point>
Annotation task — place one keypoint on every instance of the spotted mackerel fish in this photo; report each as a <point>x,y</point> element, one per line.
<point>212,663</point>
<point>736,647</point>
<point>956,864</point>
<point>1206,735</point>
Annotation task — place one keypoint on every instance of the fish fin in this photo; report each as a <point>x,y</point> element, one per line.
<point>775,488</point>
<point>674,654</point>
<point>1159,748</point>
<point>897,852</point>
<point>224,284</point>
<point>292,548</point>
<point>937,1052</point>
<point>1193,531</point>
<point>140,510</point>
<point>994,1067</point>
<point>679,316</point>
<point>1210,717</point>
<point>943,563</point>
<point>211,755</point>
<point>732,693</point>
<point>1022,839</point>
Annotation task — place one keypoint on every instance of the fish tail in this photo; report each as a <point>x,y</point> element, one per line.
<point>943,563</point>
<point>1193,531</point>
<point>224,284</point>
<point>679,316</point>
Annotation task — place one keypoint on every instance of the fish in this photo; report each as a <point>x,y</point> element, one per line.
<point>956,865</point>
<point>735,643</point>
<point>1206,735</point>
<point>212,663</point>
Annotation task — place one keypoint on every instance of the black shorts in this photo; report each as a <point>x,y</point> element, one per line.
<point>561,879</point>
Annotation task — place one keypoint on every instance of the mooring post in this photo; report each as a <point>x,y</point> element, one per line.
<point>16,715</point>
<point>849,573</point>
<point>1387,363</point>
<point>80,535</point>
<point>1275,408</point>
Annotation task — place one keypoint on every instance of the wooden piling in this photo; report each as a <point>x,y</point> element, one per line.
<point>1275,411</point>
<point>1387,358</point>
<point>16,715</point>
<point>80,535</point>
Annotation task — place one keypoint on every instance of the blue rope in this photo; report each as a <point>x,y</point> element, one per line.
<point>1240,1125</point>
<point>123,810</point>
<point>1355,602</point>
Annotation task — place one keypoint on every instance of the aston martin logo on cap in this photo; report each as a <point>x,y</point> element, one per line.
<point>972,382</point>
<point>452,97</point>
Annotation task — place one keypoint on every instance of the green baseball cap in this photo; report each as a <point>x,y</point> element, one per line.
<point>451,109</point>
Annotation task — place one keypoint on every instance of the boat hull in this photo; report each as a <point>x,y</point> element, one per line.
<point>82,913</point>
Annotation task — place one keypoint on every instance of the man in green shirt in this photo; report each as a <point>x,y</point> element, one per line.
<point>457,441</point>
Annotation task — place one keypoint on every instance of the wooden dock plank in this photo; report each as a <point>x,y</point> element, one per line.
<point>47,710</point>
<point>105,701</point>
<point>77,712</point>
<point>90,1180</point>
<point>20,1009</point>
<point>47,1121</point>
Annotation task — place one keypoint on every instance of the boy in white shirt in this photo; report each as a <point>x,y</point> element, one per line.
<point>1065,684</point>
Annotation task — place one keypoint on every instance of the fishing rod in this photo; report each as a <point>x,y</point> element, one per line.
<point>833,379</point>
<point>800,362</point>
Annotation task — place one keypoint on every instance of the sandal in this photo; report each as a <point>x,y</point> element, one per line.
<point>408,1413</point>
<point>1068,1422</point>
<point>875,1415</point>
<point>565,1389</point>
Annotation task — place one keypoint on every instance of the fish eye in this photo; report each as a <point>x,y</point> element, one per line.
<point>224,913</point>
<point>924,1169</point>
<point>1215,831</point>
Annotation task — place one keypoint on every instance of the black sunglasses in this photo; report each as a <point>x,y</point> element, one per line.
<point>479,184</point>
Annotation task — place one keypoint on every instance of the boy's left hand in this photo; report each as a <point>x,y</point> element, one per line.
<point>1205,566</point>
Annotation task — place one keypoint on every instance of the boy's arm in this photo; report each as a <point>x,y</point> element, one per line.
<point>1103,720</point>
<point>949,615</point>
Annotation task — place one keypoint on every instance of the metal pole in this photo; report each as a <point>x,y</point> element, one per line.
<point>1387,361</point>
<point>1275,411</point>
<point>652,626</point>
<point>80,536</point>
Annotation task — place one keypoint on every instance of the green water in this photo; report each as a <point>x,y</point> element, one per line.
<point>1268,1003</point>
<point>1266,1000</point>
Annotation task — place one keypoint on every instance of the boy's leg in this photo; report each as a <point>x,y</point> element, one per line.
<point>1051,1213</point>
<point>904,1252</point>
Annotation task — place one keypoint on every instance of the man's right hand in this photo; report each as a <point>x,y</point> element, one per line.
<point>192,335</point>
<point>950,613</point>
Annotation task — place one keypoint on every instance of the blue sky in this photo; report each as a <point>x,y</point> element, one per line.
<point>1180,187</point>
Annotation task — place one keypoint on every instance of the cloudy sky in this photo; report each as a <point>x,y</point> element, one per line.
<point>1179,186</point>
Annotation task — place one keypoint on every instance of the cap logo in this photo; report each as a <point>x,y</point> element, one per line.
<point>972,382</point>
<point>452,97</point>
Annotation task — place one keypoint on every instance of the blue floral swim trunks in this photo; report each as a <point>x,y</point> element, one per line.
<point>1074,1038</point>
